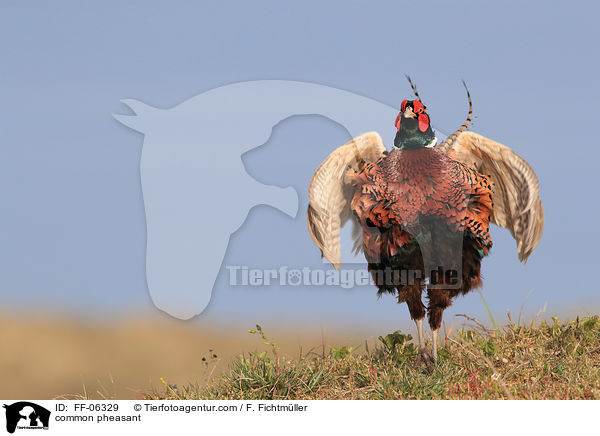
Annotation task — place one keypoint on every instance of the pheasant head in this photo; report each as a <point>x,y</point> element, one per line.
<point>414,127</point>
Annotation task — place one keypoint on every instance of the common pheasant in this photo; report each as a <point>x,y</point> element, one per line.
<point>422,210</point>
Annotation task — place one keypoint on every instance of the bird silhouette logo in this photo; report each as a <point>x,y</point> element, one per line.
<point>196,190</point>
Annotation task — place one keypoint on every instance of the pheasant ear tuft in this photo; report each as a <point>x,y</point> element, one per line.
<point>403,105</point>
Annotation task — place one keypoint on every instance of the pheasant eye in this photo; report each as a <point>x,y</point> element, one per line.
<point>419,107</point>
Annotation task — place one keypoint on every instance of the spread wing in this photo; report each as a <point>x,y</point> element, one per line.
<point>517,204</point>
<point>329,195</point>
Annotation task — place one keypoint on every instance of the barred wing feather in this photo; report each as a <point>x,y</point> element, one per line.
<point>329,194</point>
<point>517,203</point>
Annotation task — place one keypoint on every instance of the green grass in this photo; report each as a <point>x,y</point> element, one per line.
<point>545,361</point>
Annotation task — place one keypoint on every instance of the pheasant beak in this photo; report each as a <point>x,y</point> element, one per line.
<point>408,113</point>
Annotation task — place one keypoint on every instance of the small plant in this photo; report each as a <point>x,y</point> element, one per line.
<point>266,341</point>
<point>398,345</point>
<point>489,348</point>
<point>340,353</point>
<point>592,323</point>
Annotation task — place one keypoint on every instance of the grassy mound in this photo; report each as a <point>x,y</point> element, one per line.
<point>548,361</point>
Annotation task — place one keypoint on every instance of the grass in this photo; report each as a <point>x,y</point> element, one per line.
<point>550,360</point>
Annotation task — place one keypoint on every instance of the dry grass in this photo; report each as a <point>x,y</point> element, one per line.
<point>46,356</point>
<point>49,358</point>
<point>545,361</point>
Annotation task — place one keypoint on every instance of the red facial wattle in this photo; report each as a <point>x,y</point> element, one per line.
<point>423,122</point>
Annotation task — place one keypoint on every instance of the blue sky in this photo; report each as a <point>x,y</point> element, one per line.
<point>73,226</point>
